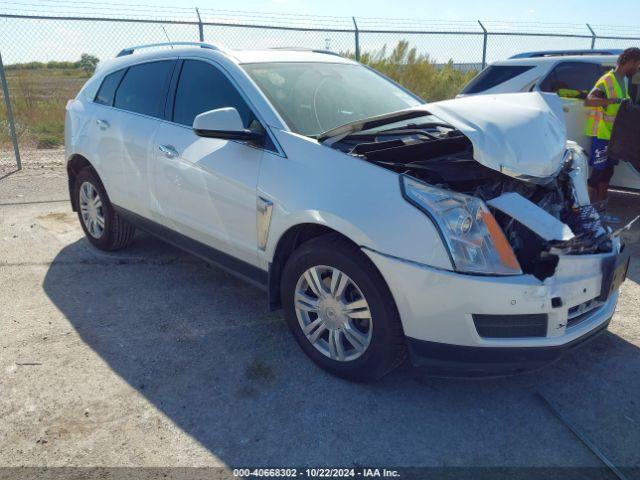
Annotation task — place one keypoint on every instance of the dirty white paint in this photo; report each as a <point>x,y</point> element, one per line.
<point>518,134</point>
<point>532,216</point>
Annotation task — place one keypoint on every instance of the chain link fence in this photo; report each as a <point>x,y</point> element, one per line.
<point>47,58</point>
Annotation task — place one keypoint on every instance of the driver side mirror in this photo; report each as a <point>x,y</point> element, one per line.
<point>224,123</point>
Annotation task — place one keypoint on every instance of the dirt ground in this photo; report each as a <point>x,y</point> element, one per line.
<point>150,357</point>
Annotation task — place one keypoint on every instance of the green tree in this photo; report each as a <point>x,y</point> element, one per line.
<point>88,63</point>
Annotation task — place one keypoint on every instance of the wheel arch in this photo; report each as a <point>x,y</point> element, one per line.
<point>75,164</point>
<point>288,242</point>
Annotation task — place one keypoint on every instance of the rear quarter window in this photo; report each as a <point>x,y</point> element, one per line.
<point>108,88</point>
<point>494,75</point>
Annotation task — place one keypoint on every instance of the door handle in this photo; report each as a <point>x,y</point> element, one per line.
<point>168,150</point>
<point>103,124</point>
<point>565,109</point>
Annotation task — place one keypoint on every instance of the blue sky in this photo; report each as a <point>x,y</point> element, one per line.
<point>597,12</point>
<point>619,12</point>
<point>539,10</point>
<point>44,40</point>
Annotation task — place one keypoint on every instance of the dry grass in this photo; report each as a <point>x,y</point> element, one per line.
<point>38,98</point>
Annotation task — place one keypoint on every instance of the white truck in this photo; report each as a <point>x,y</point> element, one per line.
<point>562,72</point>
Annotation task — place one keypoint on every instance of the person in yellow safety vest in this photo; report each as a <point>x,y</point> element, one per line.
<point>603,103</point>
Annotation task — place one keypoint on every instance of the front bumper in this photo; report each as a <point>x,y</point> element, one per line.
<point>437,308</point>
<point>447,359</point>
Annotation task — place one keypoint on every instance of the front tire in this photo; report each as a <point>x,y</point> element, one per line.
<point>103,227</point>
<point>340,310</point>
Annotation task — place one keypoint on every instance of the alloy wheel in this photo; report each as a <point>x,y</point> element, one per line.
<point>333,313</point>
<point>91,210</point>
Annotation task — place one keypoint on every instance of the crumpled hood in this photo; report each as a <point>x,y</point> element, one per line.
<point>519,134</point>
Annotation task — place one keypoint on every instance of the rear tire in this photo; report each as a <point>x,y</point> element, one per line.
<point>341,311</point>
<point>103,227</point>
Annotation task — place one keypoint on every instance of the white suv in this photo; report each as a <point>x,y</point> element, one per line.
<point>459,232</point>
<point>571,75</point>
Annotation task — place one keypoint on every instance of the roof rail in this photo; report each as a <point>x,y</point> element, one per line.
<point>327,52</point>
<point>130,50</point>
<point>312,50</point>
<point>563,53</point>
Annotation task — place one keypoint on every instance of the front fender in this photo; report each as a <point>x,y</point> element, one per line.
<point>317,184</point>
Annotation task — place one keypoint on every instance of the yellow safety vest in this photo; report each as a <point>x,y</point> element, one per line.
<point>600,119</point>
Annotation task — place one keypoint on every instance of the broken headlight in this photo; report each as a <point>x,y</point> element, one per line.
<point>475,241</point>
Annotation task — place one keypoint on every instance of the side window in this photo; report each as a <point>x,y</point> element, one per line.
<point>108,88</point>
<point>203,87</point>
<point>494,75</point>
<point>143,87</point>
<point>572,79</point>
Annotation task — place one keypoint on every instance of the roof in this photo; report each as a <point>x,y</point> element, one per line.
<point>602,59</point>
<point>168,50</point>
<point>565,53</point>
<point>286,55</point>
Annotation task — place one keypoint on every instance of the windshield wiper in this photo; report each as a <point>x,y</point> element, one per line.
<point>398,131</point>
<point>409,129</point>
<point>414,127</point>
<point>371,122</point>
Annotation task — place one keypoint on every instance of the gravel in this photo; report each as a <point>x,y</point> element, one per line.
<point>150,357</point>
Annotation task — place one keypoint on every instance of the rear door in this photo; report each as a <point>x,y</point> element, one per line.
<point>105,134</point>
<point>139,103</point>
<point>573,81</point>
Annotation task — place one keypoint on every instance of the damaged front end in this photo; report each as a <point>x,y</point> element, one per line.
<point>499,209</point>
<point>540,220</point>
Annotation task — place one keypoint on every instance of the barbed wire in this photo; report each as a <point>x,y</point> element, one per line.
<point>148,11</point>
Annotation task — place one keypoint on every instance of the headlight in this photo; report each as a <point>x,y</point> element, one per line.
<point>476,242</point>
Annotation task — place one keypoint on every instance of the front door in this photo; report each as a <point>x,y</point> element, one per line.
<point>572,81</point>
<point>205,188</point>
<point>575,115</point>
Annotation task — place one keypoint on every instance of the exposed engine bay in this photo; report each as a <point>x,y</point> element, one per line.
<point>440,155</point>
